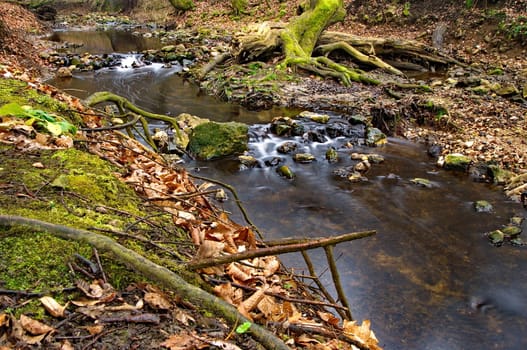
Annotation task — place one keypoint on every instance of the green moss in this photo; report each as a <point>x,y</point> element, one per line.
<point>36,261</point>
<point>12,90</point>
<point>213,140</point>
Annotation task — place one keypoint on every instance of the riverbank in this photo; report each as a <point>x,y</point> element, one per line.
<point>476,108</point>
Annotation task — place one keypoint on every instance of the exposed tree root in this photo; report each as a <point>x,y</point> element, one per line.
<point>123,104</point>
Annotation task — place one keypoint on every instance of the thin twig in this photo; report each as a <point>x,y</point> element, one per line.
<point>237,200</point>
<point>144,240</point>
<point>336,280</point>
<point>321,287</point>
<point>98,260</point>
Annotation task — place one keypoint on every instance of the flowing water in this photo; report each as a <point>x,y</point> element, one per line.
<point>429,279</point>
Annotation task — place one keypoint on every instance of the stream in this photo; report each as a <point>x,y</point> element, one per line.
<point>429,279</point>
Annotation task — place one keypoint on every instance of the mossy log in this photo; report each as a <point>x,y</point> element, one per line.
<point>159,274</point>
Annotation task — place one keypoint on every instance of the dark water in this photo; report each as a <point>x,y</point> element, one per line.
<point>428,280</point>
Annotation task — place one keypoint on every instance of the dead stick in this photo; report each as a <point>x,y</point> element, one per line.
<point>268,251</point>
<point>98,260</point>
<point>321,287</point>
<point>336,280</point>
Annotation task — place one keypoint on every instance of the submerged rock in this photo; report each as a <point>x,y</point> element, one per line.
<point>422,182</point>
<point>483,206</point>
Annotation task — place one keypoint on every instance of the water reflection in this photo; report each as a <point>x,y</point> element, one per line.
<point>100,42</point>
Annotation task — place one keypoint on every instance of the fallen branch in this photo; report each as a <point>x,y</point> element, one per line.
<point>282,249</point>
<point>157,273</point>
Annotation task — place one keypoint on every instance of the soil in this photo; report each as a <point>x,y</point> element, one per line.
<point>487,127</point>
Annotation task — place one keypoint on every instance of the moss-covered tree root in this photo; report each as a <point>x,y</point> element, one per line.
<point>157,273</point>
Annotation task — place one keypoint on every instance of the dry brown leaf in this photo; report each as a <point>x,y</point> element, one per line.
<point>33,326</point>
<point>85,302</point>
<point>269,307</point>
<point>66,345</point>
<point>226,292</point>
<point>95,329</point>
<point>53,307</point>
<point>126,307</point>
<point>64,141</point>
<point>237,274</point>
<point>4,320</point>
<point>250,303</point>
<point>183,317</point>
<point>246,235</point>
<point>362,332</point>
<point>305,340</point>
<point>209,249</point>
<point>181,341</point>
<point>157,301</point>
<point>329,318</point>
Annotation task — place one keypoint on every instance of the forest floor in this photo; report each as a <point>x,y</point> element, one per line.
<point>483,125</point>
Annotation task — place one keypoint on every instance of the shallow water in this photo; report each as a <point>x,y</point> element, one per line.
<point>428,280</point>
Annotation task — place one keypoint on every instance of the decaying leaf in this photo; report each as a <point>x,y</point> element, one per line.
<point>53,307</point>
<point>183,317</point>
<point>95,329</point>
<point>181,341</point>
<point>250,303</point>
<point>33,326</point>
<point>157,301</point>
<point>362,333</point>
<point>66,345</point>
<point>329,318</point>
<point>209,249</point>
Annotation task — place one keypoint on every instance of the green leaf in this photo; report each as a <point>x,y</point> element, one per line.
<point>67,127</point>
<point>243,328</point>
<point>53,128</point>
<point>13,109</point>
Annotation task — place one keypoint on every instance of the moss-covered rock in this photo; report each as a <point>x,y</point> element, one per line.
<point>456,162</point>
<point>375,137</point>
<point>215,140</point>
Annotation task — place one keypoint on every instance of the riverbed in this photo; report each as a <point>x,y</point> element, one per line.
<point>429,278</point>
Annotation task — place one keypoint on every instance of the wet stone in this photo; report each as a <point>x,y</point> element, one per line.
<point>332,155</point>
<point>285,171</point>
<point>248,161</point>
<point>496,237</point>
<point>483,206</point>
<point>273,161</point>
<point>422,182</point>
<point>287,147</point>
<point>304,157</point>
<point>511,231</point>
<point>375,137</point>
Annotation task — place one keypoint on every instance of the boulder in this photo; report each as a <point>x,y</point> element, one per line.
<point>455,161</point>
<point>212,140</point>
